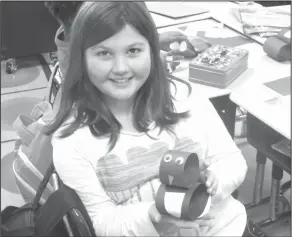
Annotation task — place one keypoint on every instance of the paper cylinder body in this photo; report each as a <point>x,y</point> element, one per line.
<point>180,169</point>
<point>277,49</point>
<point>183,203</point>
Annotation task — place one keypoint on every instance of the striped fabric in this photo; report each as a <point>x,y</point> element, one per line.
<point>33,153</point>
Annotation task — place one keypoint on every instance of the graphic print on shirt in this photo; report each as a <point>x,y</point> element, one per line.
<point>137,180</point>
<point>120,180</point>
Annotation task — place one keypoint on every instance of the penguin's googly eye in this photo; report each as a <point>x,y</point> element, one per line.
<point>179,160</point>
<point>167,158</point>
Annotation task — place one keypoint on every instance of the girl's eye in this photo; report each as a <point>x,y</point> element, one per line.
<point>167,158</point>
<point>103,54</point>
<point>134,51</point>
<point>179,160</point>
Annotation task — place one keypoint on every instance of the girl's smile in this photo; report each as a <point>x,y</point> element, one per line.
<point>121,81</point>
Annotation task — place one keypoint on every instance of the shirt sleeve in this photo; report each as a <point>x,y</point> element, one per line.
<point>225,158</point>
<point>108,219</point>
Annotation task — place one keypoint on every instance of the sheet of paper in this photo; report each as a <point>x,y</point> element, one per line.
<point>173,9</point>
<point>281,86</point>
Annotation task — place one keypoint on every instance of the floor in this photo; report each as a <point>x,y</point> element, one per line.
<point>21,90</point>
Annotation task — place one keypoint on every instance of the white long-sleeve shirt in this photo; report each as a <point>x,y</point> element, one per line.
<point>118,188</point>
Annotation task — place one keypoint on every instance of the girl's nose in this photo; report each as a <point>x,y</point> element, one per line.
<point>120,66</point>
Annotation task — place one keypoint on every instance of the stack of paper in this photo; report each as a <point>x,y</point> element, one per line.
<point>265,17</point>
<point>263,21</point>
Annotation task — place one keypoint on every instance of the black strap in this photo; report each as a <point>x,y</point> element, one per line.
<point>60,203</point>
<point>24,232</point>
<point>51,213</point>
<point>7,213</point>
<point>42,186</point>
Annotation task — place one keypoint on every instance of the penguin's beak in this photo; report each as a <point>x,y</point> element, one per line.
<point>170,179</point>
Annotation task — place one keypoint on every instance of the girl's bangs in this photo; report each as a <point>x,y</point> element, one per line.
<point>112,18</point>
<point>101,28</point>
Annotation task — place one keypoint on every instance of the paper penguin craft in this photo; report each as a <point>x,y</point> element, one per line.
<point>180,194</point>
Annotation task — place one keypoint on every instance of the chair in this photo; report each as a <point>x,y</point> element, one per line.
<point>54,84</point>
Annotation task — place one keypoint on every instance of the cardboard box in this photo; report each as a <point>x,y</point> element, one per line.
<point>218,66</point>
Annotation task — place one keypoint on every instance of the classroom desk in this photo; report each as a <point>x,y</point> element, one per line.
<point>260,66</point>
<point>261,137</point>
<point>265,104</point>
<point>268,122</point>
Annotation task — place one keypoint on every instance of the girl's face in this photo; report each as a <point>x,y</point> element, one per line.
<point>119,65</point>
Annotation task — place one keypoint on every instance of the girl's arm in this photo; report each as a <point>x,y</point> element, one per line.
<point>108,218</point>
<point>226,159</point>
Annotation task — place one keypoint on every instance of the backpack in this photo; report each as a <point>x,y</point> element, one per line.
<point>48,199</point>
<point>63,214</point>
<point>33,149</point>
<point>33,153</point>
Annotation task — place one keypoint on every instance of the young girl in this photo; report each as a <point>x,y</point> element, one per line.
<point>117,118</point>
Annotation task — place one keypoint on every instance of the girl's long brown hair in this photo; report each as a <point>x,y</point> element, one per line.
<point>94,23</point>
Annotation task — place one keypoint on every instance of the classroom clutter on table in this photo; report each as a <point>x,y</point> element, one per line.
<point>199,44</point>
<point>218,66</point>
<point>208,54</point>
<point>263,21</point>
<point>184,48</point>
<point>215,65</point>
<point>181,194</point>
<point>176,52</point>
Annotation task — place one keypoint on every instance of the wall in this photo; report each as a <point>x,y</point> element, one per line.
<point>27,28</point>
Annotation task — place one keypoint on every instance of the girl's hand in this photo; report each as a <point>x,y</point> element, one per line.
<point>209,179</point>
<point>207,222</point>
<point>154,214</point>
<point>167,224</point>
